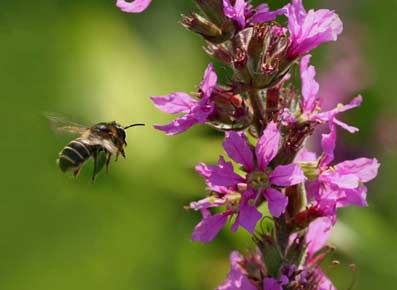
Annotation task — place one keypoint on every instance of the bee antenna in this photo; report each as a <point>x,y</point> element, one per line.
<point>133,125</point>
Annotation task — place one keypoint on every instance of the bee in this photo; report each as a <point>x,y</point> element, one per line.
<point>100,141</point>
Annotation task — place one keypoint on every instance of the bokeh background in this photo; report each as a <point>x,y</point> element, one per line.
<point>91,62</point>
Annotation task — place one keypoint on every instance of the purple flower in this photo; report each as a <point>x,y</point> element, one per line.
<point>318,234</point>
<point>316,238</point>
<point>263,13</point>
<point>195,111</point>
<point>236,278</point>
<point>234,203</point>
<point>135,6</point>
<point>310,29</point>
<point>242,267</point>
<point>310,103</point>
<point>236,12</point>
<point>244,14</point>
<point>341,184</point>
<point>273,284</point>
<point>259,178</point>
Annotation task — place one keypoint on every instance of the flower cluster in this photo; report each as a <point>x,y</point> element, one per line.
<point>266,122</point>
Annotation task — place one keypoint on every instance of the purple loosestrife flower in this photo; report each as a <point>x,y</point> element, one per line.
<point>310,29</point>
<point>236,11</point>
<point>309,273</point>
<point>310,107</point>
<point>259,178</point>
<point>196,111</point>
<point>245,14</point>
<point>341,184</point>
<point>273,284</point>
<point>316,237</point>
<point>237,279</point>
<point>234,203</point>
<point>263,13</point>
<point>247,271</point>
<point>135,6</point>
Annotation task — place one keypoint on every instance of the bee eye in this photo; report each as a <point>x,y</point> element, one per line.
<point>121,133</point>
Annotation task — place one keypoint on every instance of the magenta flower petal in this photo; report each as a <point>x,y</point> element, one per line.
<point>208,83</point>
<point>287,117</point>
<point>328,142</point>
<point>310,29</point>
<point>325,283</point>
<point>263,13</point>
<point>197,115</point>
<point>223,174</point>
<point>287,175</point>
<point>340,108</point>
<point>310,87</point>
<point>209,227</point>
<point>237,148</point>
<point>277,201</point>
<point>247,217</point>
<point>135,6</point>
<point>355,197</point>
<point>366,169</point>
<point>268,145</point>
<point>236,280</point>
<point>345,126</point>
<point>305,156</point>
<point>347,181</point>
<point>175,103</point>
<point>177,126</point>
<point>318,234</point>
<point>271,284</point>
<point>206,172</point>
<point>207,203</point>
<point>236,12</point>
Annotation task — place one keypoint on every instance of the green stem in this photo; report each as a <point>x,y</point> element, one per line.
<point>258,109</point>
<point>282,232</point>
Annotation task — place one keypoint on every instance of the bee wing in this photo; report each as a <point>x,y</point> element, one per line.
<point>61,124</point>
<point>105,143</point>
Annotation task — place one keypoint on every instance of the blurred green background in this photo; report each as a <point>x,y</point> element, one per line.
<point>88,60</point>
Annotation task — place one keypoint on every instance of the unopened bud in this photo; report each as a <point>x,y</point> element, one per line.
<point>213,9</point>
<point>240,59</point>
<point>220,52</point>
<point>201,25</point>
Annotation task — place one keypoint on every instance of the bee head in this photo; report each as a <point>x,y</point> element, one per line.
<point>121,133</point>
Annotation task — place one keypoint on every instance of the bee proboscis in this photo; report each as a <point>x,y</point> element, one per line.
<point>100,141</point>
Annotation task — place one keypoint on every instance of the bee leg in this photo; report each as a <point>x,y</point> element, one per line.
<point>76,172</point>
<point>95,156</point>
<point>108,161</point>
<point>122,153</point>
<point>117,156</point>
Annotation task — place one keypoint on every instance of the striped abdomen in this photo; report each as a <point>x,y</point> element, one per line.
<point>74,155</point>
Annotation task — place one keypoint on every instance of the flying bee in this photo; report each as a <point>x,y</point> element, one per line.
<point>101,142</point>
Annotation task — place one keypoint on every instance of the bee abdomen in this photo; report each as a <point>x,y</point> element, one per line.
<point>74,155</point>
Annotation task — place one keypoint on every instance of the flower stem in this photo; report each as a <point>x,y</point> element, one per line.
<point>258,109</point>
<point>282,231</point>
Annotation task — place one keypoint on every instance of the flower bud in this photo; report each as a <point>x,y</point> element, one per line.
<point>213,9</point>
<point>214,26</point>
<point>201,25</point>
<point>220,51</point>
